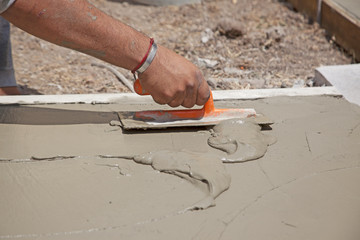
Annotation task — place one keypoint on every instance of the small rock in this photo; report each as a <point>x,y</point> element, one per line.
<point>231,80</point>
<point>257,83</point>
<point>230,28</point>
<point>204,39</point>
<point>276,33</point>
<point>286,83</point>
<point>268,44</point>
<point>299,83</point>
<point>232,70</point>
<point>310,83</point>
<point>55,85</point>
<point>254,83</point>
<point>207,35</point>
<point>207,62</point>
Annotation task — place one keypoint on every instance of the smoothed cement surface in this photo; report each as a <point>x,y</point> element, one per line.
<point>305,187</point>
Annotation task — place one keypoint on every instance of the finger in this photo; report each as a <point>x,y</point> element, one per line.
<point>190,95</point>
<point>159,100</point>
<point>162,97</point>
<point>203,93</point>
<point>178,99</point>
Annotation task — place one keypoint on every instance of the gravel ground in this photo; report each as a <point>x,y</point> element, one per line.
<point>247,44</point>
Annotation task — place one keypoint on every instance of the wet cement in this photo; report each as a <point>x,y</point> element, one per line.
<point>197,168</point>
<point>241,140</point>
<point>71,190</point>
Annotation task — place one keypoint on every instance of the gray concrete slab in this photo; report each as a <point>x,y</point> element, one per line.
<point>345,78</point>
<point>305,187</point>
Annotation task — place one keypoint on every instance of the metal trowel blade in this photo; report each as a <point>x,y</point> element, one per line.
<point>129,122</point>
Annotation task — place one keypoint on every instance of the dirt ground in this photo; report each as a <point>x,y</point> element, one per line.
<point>247,44</point>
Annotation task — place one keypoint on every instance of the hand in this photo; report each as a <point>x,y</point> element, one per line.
<point>9,91</point>
<point>173,80</point>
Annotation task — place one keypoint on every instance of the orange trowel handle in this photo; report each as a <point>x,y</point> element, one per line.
<point>177,114</point>
<point>138,88</point>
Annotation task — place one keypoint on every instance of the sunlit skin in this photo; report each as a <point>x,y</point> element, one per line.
<point>76,24</point>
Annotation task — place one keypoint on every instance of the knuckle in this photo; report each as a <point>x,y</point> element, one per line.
<point>174,104</point>
<point>167,96</point>
<point>190,84</point>
<point>159,101</point>
<point>188,104</point>
<point>181,89</point>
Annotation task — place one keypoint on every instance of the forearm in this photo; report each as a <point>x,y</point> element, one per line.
<point>76,24</point>
<point>80,26</point>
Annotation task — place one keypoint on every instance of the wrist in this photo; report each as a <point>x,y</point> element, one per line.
<point>147,59</point>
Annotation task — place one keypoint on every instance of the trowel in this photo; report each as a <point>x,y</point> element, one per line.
<point>208,115</point>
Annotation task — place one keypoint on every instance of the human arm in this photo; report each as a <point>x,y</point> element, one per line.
<point>78,25</point>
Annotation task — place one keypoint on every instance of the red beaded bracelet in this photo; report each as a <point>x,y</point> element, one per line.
<point>144,58</point>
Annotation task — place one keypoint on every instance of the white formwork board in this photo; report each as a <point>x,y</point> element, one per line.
<point>134,98</point>
<point>345,78</point>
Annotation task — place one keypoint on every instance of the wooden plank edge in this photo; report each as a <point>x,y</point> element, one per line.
<point>342,25</point>
<point>117,98</point>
